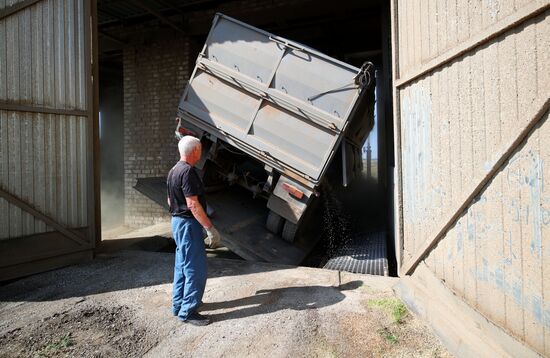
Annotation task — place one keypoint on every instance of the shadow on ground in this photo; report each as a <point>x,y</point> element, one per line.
<point>123,270</point>
<point>272,300</point>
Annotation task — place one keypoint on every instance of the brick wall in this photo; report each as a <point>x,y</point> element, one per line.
<point>155,74</point>
<point>154,77</point>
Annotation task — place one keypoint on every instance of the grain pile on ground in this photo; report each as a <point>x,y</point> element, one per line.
<point>119,306</point>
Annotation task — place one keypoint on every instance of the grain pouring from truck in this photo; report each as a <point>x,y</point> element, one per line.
<point>275,117</point>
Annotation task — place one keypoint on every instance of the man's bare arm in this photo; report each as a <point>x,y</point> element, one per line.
<point>198,211</point>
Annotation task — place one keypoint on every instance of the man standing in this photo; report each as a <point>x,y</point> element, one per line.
<point>188,209</point>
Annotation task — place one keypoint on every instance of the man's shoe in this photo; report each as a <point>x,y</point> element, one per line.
<point>176,312</point>
<point>197,319</point>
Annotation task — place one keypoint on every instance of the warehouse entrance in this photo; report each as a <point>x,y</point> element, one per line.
<point>147,53</point>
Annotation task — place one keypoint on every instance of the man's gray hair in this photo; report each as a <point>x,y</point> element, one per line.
<point>187,145</point>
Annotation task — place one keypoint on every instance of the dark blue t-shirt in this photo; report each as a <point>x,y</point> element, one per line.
<point>184,181</point>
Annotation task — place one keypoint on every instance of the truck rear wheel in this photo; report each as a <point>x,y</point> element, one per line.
<point>274,223</point>
<point>289,231</point>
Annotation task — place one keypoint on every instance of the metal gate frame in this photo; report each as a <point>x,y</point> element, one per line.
<point>407,267</point>
<point>45,251</point>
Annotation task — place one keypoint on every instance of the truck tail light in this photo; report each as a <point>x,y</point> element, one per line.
<point>292,190</point>
<point>184,131</point>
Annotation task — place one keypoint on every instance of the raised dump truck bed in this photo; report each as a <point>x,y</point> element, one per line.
<point>280,120</point>
<point>278,101</point>
<point>272,114</point>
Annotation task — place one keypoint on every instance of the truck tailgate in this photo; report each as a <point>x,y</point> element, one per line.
<point>281,102</point>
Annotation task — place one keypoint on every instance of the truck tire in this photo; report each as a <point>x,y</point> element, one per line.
<point>289,231</point>
<point>274,223</point>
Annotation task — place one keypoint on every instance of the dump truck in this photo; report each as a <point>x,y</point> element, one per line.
<point>272,115</point>
<point>282,121</point>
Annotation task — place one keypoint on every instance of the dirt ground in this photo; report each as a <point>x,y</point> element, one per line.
<point>119,306</point>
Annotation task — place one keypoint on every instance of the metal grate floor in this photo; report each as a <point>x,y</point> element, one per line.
<point>366,254</point>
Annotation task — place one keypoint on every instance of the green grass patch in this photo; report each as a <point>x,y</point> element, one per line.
<point>393,306</point>
<point>388,336</point>
<point>59,344</point>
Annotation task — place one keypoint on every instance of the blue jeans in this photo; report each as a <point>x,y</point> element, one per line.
<point>189,268</point>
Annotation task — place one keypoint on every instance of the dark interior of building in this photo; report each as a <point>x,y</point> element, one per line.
<point>353,31</point>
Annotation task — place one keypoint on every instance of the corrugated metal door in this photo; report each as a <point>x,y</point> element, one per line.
<point>47,201</point>
<point>472,89</point>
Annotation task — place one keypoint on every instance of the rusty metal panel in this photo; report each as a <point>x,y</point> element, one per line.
<point>430,28</point>
<point>463,21</point>
<point>26,185</point>
<point>49,101</point>
<point>82,122</point>
<point>456,120</point>
<point>44,154</point>
<point>409,34</point>
<point>431,23</point>
<point>544,229</point>
<point>505,255</point>
<point>8,3</point>
<point>37,95</point>
<point>14,173</point>
<point>39,171</point>
<point>416,144</point>
<point>46,132</point>
<point>4,165</point>
<point>476,112</point>
<point>56,29</point>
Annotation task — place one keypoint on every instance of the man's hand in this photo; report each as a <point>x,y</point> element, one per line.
<point>213,239</point>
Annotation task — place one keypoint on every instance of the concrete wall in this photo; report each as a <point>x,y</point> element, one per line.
<point>458,115</point>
